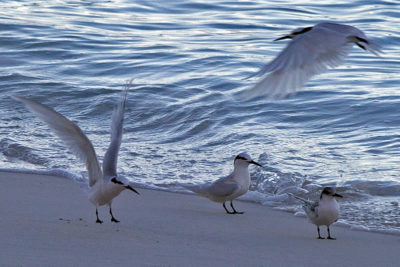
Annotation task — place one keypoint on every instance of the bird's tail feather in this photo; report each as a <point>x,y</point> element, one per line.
<point>263,89</point>
<point>198,189</point>
<point>299,198</point>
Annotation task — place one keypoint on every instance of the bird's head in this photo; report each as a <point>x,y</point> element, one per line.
<point>243,159</point>
<point>295,33</point>
<point>329,192</point>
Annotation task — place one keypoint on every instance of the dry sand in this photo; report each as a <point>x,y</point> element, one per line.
<point>48,221</point>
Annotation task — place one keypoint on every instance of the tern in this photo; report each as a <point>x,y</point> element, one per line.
<point>230,187</point>
<point>311,51</point>
<point>104,185</point>
<point>322,212</point>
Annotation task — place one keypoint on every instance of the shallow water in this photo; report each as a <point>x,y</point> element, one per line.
<point>188,60</point>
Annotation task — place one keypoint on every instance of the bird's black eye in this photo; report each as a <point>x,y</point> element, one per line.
<point>326,190</point>
<point>240,157</point>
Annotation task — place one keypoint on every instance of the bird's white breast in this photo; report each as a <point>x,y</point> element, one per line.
<point>328,212</point>
<point>242,178</point>
<point>103,192</point>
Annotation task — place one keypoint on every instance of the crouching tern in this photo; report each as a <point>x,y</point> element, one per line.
<point>311,51</point>
<point>322,212</point>
<point>104,185</point>
<point>230,187</point>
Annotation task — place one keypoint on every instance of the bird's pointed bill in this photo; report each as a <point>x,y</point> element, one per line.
<point>283,38</point>
<point>132,189</point>
<point>255,163</point>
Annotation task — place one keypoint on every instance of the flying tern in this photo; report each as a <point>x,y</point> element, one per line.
<point>311,51</point>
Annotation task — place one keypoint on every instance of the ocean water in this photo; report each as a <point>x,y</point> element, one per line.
<point>188,60</point>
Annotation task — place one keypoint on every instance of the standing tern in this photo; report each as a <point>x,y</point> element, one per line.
<point>322,212</point>
<point>104,185</point>
<point>311,51</point>
<point>230,187</point>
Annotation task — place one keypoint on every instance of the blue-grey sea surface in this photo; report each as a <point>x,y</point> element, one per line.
<point>184,124</point>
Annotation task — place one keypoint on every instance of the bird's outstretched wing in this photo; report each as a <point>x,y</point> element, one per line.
<point>306,55</point>
<point>68,132</point>
<point>117,120</point>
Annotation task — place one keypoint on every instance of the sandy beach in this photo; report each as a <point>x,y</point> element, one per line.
<point>48,221</point>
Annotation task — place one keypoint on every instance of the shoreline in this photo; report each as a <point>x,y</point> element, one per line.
<point>48,220</point>
<point>63,174</point>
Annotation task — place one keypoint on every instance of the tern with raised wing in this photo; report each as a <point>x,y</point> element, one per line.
<point>311,51</point>
<point>104,184</point>
<point>322,212</point>
<point>230,187</point>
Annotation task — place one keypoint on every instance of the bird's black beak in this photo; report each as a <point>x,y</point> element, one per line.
<point>337,195</point>
<point>115,181</point>
<point>132,189</point>
<point>283,38</point>
<point>255,163</point>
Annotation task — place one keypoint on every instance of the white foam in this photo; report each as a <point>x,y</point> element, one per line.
<point>359,228</point>
<point>275,199</point>
<point>55,172</point>
<point>300,214</point>
<point>342,223</point>
<point>294,190</point>
<point>253,196</point>
<point>387,231</point>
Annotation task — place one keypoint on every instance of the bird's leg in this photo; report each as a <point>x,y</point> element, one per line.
<point>227,211</point>
<point>329,235</point>
<point>234,211</point>
<point>319,235</point>
<point>112,216</point>
<point>97,216</point>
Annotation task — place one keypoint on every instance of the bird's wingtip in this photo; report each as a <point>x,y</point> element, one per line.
<point>17,98</point>
<point>22,99</point>
<point>259,92</point>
